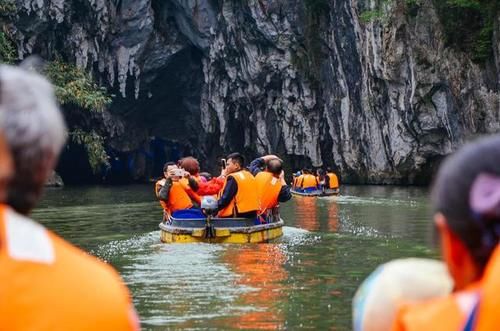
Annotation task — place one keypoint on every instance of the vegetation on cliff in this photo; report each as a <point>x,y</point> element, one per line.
<point>467,24</point>
<point>75,90</point>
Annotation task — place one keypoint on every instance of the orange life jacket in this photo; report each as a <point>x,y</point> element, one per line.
<point>486,317</point>
<point>178,198</point>
<point>268,190</point>
<point>442,314</point>
<point>308,181</point>
<point>295,182</point>
<point>192,194</point>
<point>334,180</point>
<point>246,198</point>
<point>48,284</point>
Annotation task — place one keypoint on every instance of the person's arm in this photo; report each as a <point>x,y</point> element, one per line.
<point>284,194</point>
<point>211,187</point>
<point>193,183</point>
<point>256,165</point>
<point>165,190</point>
<point>228,194</point>
<point>327,181</point>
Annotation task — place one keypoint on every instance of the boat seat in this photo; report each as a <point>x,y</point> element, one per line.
<point>188,214</point>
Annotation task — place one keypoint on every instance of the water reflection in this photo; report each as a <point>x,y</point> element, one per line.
<point>316,214</point>
<point>261,268</point>
<point>305,280</point>
<point>333,216</point>
<point>306,213</point>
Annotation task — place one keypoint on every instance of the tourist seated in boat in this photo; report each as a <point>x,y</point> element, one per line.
<point>206,176</point>
<point>295,177</point>
<point>320,177</point>
<point>307,182</point>
<point>331,179</point>
<point>239,195</point>
<point>466,202</point>
<point>271,185</point>
<point>192,167</point>
<point>46,283</point>
<point>172,192</point>
<point>211,185</point>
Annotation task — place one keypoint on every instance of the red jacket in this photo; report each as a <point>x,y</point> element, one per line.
<point>211,187</point>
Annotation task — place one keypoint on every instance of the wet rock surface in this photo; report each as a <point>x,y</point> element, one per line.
<point>381,101</point>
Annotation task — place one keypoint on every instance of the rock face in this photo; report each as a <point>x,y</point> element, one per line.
<point>382,102</point>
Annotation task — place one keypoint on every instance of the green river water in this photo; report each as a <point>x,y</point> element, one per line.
<point>305,280</point>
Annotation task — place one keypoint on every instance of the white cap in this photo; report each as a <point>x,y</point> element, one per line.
<point>400,281</point>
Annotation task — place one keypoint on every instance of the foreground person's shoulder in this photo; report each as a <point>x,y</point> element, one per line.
<point>96,284</point>
<point>49,284</point>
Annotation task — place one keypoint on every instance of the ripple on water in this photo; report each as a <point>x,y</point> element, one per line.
<point>355,200</point>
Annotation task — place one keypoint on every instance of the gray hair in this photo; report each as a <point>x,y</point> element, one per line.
<point>34,129</point>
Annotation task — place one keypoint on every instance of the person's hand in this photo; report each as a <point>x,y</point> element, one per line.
<point>223,173</point>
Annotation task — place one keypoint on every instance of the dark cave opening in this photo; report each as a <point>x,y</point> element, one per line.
<point>162,125</point>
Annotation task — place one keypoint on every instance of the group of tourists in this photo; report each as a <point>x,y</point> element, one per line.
<point>324,179</point>
<point>241,192</point>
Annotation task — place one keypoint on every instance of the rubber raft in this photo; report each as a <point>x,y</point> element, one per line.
<point>315,193</point>
<point>220,230</point>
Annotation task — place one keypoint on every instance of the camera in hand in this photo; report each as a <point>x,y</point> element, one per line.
<point>179,172</point>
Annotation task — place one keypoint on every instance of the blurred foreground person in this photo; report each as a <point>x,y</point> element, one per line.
<point>466,200</point>
<point>393,283</point>
<point>45,282</point>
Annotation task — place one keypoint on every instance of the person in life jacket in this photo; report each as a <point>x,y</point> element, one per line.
<point>207,185</point>
<point>295,178</point>
<point>307,181</point>
<point>45,282</point>
<point>271,185</point>
<point>320,177</point>
<point>331,179</point>
<point>403,280</point>
<point>466,201</point>
<point>172,192</point>
<point>239,195</point>
<point>192,166</point>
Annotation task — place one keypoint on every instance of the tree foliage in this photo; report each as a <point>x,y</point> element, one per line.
<point>74,87</point>
<point>7,49</point>
<point>94,146</point>
<point>468,25</point>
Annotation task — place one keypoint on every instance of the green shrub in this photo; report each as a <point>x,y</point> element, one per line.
<point>74,86</point>
<point>468,25</point>
<point>7,49</point>
<point>94,146</point>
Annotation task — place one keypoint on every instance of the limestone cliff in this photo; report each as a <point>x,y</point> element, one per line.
<point>382,101</point>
